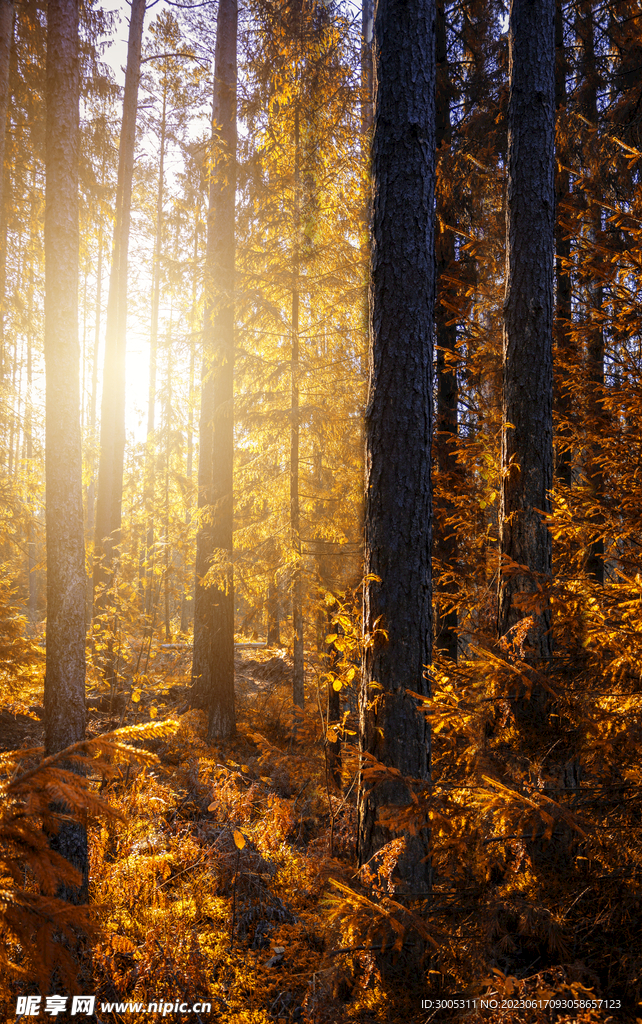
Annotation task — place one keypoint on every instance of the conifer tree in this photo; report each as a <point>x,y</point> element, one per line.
<point>112,419</point>
<point>398,595</point>
<point>213,660</point>
<point>446,336</point>
<point>6,35</point>
<point>527,427</point>
<point>64,697</point>
<point>564,354</point>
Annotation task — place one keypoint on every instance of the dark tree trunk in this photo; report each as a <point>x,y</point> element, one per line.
<point>398,512</point>
<point>446,333</point>
<point>564,346</point>
<point>112,419</point>
<point>64,698</point>
<point>527,442</point>
<point>213,663</point>
<point>594,297</point>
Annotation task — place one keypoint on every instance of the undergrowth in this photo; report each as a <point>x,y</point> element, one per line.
<point>227,875</point>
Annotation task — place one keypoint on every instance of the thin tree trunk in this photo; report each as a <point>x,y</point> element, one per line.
<point>112,421</point>
<point>168,431</point>
<point>333,746</point>
<point>527,434</point>
<point>298,671</point>
<point>31,540</point>
<point>594,298</point>
<point>91,490</point>
<point>7,52</point>
<point>187,602</point>
<point>64,697</point>
<point>6,37</point>
<point>150,455</point>
<point>273,637</point>
<point>398,513</point>
<point>367,24</point>
<point>213,662</point>
<point>446,334</point>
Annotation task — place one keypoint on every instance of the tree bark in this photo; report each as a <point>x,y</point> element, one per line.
<point>6,36</point>
<point>446,334</point>
<point>64,697</point>
<point>150,453</point>
<point>594,296</point>
<point>398,511</point>
<point>298,670</point>
<point>6,41</point>
<point>213,661</point>
<point>564,346</point>
<point>367,24</point>
<point>527,423</point>
<point>187,600</point>
<point>112,420</point>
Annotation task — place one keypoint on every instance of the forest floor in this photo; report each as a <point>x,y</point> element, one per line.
<point>212,884</point>
<point>218,877</point>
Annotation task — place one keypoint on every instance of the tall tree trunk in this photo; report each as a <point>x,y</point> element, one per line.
<point>150,455</point>
<point>446,334</point>
<point>91,490</point>
<point>594,297</point>
<point>213,662</point>
<point>187,601</point>
<point>564,346</point>
<point>527,429</point>
<point>64,698</point>
<point>367,24</point>
<point>298,695</point>
<point>31,540</point>
<point>6,36</point>
<point>6,48</point>
<point>112,421</point>
<point>398,513</point>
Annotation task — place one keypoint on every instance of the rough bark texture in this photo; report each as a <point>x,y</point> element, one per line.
<point>399,419</point>
<point>564,346</point>
<point>64,698</point>
<point>213,663</point>
<point>594,296</point>
<point>112,418</point>
<point>6,35</point>
<point>527,446</point>
<point>446,334</point>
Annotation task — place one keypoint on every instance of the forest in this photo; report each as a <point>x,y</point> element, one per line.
<point>321,511</point>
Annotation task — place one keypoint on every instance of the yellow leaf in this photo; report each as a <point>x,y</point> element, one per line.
<point>337,684</point>
<point>331,637</point>
<point>136,696</point>
<point>239,840</point>
<point>350,674</point>
<point>153,712</point>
